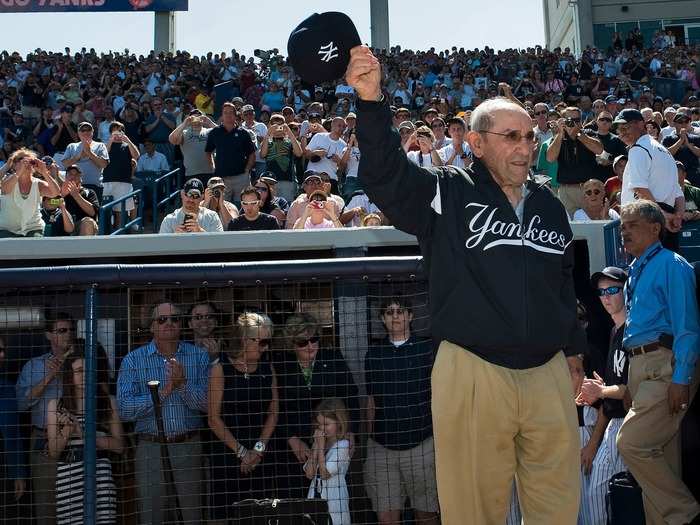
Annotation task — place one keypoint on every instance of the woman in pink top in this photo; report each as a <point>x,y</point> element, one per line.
<point>317,215</point>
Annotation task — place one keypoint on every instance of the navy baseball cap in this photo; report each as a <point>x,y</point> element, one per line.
<point>628,115</point>
<point>610,99</point>
<point>611,272</point>
<point>319,47</point>
<point>193,185</point>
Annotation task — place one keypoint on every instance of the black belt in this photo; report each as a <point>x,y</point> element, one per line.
<point>179,438</point>
<point>644,349</point>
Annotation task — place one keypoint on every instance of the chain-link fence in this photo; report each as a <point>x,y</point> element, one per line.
<point>172,393</point>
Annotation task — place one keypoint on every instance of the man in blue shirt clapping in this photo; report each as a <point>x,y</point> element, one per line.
<point>661,340</point>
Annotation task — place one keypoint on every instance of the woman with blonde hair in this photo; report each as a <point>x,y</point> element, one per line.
<point>22,191</point>
<point>243,408</point>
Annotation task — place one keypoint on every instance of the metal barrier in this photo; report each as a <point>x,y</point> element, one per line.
<point>105,223</point>
<point>162,190</point>
<point>343,294</point>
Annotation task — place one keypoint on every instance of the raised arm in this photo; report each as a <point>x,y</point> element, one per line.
<point>402,190</point>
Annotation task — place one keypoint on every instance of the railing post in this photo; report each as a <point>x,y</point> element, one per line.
<point>90,430</point>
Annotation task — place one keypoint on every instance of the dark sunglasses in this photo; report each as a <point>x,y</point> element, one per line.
<point>162,319</point>
<point>592,192</point>
<point>60,331</point>
<point>202,317</point>
<point>303,342</point>
<point>604,119</point>
<point>540,113</point>
<point>610,290</point>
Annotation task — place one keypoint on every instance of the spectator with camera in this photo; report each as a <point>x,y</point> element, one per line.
<point>252,218</point>
<point>21,195</point>
<point>65,131</point>
<point>235,152</point>
<point>90,156</point>
<point>269,202</point>
<point>58,222</point>
<point>191,217</point>
<point>457,153</point>
<point>324,151</point>
<point>427,155</point>
<point>191,135</point>
<point>279,149</point>
<point>117,176</point>
<point>317,215</point>
<point>214,200</point>
<point>575,151</point>
<point>312,182</point>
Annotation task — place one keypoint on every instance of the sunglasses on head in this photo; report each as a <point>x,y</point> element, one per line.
<point>303,342</point>
<point>592,192</point>
<point>610,290</point>
<point>162,319</point>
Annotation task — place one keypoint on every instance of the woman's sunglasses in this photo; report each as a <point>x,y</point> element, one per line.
<point>592,192</point>
<point>162,319</point>
<point>303,342</point>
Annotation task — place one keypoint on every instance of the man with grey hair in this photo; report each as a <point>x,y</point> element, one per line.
<point>661,339</point>
<point>502,398</point>
<point>182,370</point>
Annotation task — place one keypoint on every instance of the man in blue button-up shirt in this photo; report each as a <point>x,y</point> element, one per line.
<point>182,370</point>
<point>661,338</point>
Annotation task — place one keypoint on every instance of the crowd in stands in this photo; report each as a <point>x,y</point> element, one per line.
<point>114,117</point>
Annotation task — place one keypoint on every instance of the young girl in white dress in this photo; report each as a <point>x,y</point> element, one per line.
<point>330,459</point>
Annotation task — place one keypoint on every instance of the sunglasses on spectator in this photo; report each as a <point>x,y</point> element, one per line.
<point>514,137</point>
<point>261,188</point>
<point>592,192</point>
<point>60,331</point>
<point>438,125</point>
<point>610,290</point>
<point>202,317</point>
<point>604,119</point>
<point>162,319</point>
<point>194,194</point>
<point>261,342</point>
<point>304,342</point>
<point>249,203</point>
<point>537,113</point>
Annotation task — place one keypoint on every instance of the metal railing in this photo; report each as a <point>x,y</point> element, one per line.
<point>124,226</point>
<point>615,254</point>
<point>162,190</point>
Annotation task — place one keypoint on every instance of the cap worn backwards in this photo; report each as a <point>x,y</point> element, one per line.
<point>319,47</point>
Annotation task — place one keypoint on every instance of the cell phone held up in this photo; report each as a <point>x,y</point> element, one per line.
<point>188,217</point>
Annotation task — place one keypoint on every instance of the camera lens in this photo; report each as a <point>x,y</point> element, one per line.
<point>217,193</point>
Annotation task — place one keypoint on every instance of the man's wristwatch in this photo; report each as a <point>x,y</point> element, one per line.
<point>260,447</point>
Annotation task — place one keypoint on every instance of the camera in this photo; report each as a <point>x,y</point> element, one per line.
<point>569,123</point>
<point>56,202</point>
<point>217,194</point>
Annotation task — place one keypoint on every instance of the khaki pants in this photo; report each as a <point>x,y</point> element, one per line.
<point>649,440</point>
<point>492,423</point>
<point>571,196</point>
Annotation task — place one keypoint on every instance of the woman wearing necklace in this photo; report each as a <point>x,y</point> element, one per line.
<point>65,418</point>
<point>243,407</point>
<point>307,375</point>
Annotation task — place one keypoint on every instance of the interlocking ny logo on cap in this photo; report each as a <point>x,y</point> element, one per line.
<point>328,52</point>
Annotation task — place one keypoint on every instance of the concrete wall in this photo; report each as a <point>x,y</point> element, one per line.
<point>559,24</point>
<point>608,11</point>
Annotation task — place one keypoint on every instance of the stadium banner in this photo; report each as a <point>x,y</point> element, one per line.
<point>89,6</point>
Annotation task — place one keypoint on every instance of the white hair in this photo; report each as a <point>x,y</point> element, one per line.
<point>482,118</point>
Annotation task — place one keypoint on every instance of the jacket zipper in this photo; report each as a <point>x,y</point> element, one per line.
<point>524,252</point>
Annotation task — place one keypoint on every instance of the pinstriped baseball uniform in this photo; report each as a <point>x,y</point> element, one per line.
<point>607,461</point>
